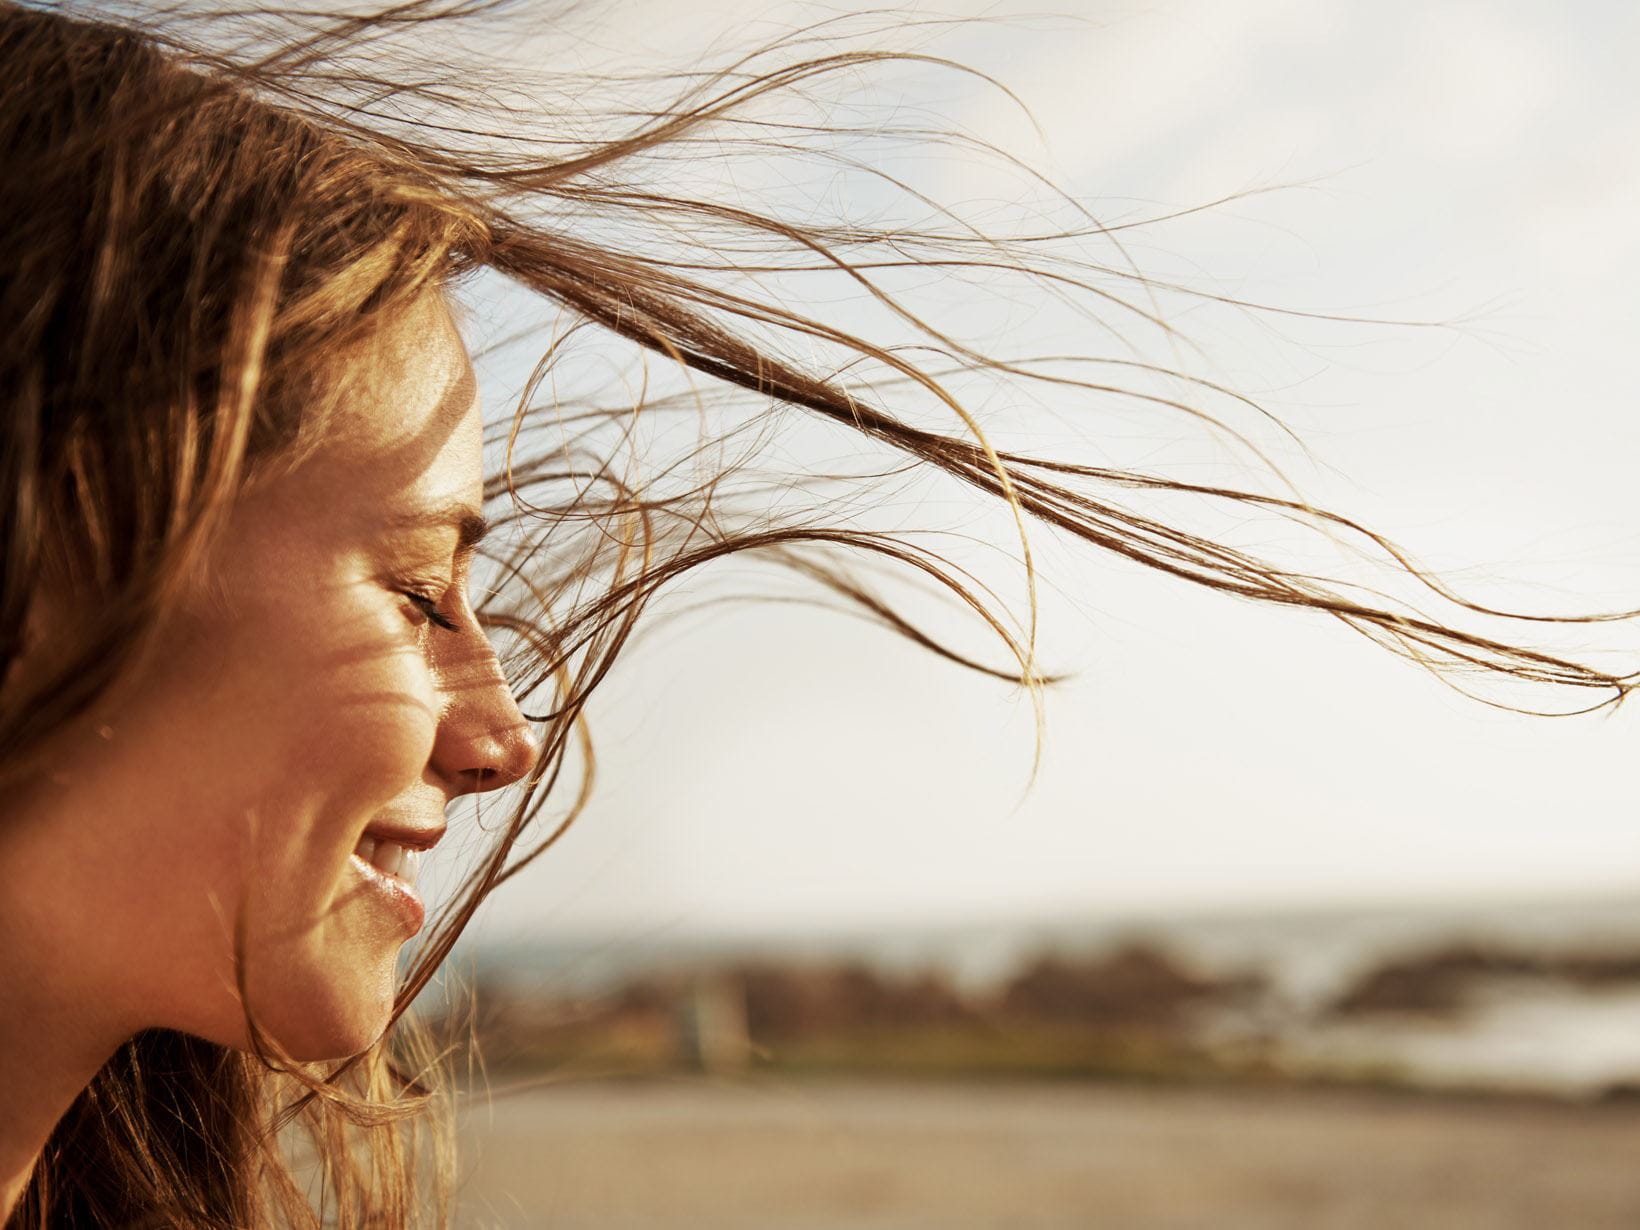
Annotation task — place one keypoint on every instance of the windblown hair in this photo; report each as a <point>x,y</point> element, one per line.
<point>197,234</point>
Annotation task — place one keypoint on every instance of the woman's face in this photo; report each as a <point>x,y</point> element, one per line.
<point>303,708</point>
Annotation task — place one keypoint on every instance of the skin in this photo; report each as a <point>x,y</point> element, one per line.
<point>298,697</point>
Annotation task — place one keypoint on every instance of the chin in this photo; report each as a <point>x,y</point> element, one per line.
<point>325,1013</point>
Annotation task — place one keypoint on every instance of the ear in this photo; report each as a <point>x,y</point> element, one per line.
<point>48,622</point>
<point>24,661</point>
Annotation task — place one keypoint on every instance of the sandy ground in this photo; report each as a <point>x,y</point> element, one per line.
<point>785,1156</point>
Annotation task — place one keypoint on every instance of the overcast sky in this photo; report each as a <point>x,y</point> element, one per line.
<point>782,769</point>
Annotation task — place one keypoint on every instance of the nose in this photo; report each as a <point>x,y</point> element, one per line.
<point>483,742</point>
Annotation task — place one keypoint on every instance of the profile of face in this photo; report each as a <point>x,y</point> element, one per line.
<point>297,736</point>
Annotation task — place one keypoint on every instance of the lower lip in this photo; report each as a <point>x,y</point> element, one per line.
<point>392,892</point>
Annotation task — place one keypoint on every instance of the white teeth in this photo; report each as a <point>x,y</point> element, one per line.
<point>390,857</point>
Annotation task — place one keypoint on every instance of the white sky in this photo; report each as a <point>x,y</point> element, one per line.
<point>780,768</point>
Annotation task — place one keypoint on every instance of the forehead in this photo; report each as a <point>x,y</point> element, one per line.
<point>409,389</point>
<point>406,431</point>
<point>403,437</point>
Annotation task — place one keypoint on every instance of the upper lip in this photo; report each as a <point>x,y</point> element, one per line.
<point>410,836</point>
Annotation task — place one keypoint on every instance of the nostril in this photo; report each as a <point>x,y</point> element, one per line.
<point>511,756</point>
<point>483,741</point>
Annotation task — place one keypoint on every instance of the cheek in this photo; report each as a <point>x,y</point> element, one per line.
<point>349,728</point>
<point>323,973</point>
<point>286,763</point>
<point>251,767</point>
<point>360,736</point>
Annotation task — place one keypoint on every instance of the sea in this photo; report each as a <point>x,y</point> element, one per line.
<point>1533,1036</point>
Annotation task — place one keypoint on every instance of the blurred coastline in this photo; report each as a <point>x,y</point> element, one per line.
<point>1537,998</point>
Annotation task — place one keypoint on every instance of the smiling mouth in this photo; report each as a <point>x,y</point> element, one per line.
<point>391,858</point>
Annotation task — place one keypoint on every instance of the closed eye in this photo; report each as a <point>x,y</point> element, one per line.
<point>429,607</point>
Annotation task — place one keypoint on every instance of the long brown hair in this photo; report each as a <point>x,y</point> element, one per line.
<point>198,230</point>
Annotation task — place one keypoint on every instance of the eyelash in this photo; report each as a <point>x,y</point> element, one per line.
<point>429,608</point>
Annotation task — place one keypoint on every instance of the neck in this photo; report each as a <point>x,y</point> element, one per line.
<point>57,1014</point>
<point>60,1006</point>
<point>48,1054</point>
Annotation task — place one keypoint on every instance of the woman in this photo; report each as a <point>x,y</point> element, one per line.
<point>242,490</point>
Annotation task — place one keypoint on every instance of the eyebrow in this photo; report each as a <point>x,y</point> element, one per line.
<point>469,524</point>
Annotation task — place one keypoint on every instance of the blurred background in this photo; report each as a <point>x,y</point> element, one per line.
<point>1283,932</point>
